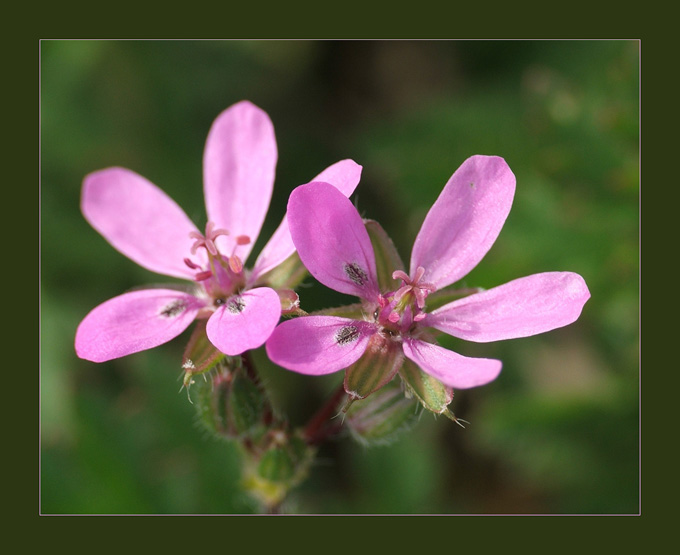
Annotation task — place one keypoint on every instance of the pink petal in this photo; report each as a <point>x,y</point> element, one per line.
<point>134,322</point>
<point>465,220</point>
<point>450,368</point>
<point>520,308</point>
<point>344,176</point>
<point>139,220</point>
<point>245,321</point>
<point>331,240</point>
<point>239,163</point>
<point>318,345</point>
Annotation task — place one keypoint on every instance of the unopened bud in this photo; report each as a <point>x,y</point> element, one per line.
<point>290,302</point>
<point>231,404</point>
<point>283,464</point>
<point>380,418</point>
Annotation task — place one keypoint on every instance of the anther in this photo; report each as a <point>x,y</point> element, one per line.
<point>235,264</point>
<point>191,264</point>
<point>201,276</point>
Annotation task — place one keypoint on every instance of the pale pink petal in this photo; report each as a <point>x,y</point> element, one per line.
<point>344,176</point>
<point>245,321</point>
<point>465,220</point>
<point>139,220</point>
<point>239,164</point>
<point>520,308</point>
<point>134,322</point>
<point>332,240</point>
<point>450,368</point>
<point>318,345</point>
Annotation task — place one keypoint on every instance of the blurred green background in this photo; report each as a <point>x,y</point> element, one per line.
<point>558,432</point>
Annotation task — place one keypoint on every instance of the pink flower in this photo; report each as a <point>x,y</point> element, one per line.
<point>146,225</point>
<point>459,229</point>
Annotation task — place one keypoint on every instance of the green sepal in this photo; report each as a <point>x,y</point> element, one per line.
<point>432,394</point>
<point>387,259</point>
<point>200,355</point>
<point>352,311</point>
<point>287,275</point>
<point>377,366</point>
<point>448,295</point>
<point>380,418</point>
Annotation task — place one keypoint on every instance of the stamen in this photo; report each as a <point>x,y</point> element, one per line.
<point>191,264</point>
<point>419,289</point>
<point>235,264</point>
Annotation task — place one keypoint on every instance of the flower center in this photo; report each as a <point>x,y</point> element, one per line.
<point>398,310</point>
<point>223,275</point>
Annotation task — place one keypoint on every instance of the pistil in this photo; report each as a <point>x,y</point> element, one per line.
<point>398,310</point>
<point>224,273</point>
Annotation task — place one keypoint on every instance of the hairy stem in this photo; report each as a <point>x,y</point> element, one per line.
<point>319,428</point>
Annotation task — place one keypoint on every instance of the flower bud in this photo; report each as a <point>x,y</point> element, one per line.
<point>380,418</point>
<point>282,464</point>
<point>290,302</point>
<point>231,404</point>
<point>284,460</point>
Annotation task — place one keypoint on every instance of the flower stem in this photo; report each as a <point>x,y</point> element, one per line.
<point>318,429</point>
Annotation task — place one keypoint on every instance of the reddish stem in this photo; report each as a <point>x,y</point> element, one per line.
<point>319,428</point>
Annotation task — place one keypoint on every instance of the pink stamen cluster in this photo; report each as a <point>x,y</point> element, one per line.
<point>146,225</point>
<point>397,309</point>
<point>207,242</point>
<point>415,286</point>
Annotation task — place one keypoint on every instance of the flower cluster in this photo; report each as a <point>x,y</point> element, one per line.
<point>241,306</point>
<point>393,328</point>
<point>335,246</point>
